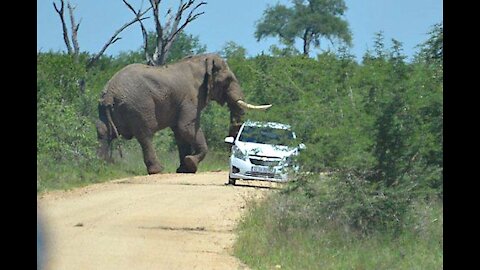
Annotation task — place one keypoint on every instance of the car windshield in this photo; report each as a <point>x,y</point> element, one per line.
<point>267,135</point>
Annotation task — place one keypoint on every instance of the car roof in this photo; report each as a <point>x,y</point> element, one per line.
<point>267,124</point>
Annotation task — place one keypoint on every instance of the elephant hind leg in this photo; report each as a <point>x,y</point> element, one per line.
<point>149,156</point>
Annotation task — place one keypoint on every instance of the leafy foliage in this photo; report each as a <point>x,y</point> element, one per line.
<point>232,50</point>
<point>309,228</point>
<point>62,126</point>
<point>375,127</point>
<point>185,44</point>
<point>308,20</point>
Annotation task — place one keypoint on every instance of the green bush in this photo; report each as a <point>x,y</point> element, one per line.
<point>369,195</point>
<point>297,230</point>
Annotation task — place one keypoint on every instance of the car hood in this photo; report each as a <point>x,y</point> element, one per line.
<point>266,149</point>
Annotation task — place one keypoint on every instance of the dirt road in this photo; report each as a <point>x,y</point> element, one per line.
<point>167,221</point>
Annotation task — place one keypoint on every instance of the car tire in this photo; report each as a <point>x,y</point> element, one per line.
<point>231,181</point>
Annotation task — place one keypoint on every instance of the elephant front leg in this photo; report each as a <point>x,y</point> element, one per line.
<point>200,151</point>
<point>184,149</point>
<point>195,139</point>
<point>149,156</point>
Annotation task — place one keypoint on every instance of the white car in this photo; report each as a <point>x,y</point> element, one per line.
<point>263,151</point>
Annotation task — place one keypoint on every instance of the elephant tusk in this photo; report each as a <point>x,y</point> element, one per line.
<point>245,105</point>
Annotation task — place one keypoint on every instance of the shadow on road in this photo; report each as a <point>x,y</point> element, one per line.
<point>250,185</point>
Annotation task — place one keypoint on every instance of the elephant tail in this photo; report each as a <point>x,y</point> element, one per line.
<point>111,125</point>
<point>110,131</point>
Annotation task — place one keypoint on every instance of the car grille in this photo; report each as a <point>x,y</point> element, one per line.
<point>265,161</point>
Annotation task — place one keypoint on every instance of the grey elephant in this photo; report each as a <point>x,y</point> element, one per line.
<point>140,100</point>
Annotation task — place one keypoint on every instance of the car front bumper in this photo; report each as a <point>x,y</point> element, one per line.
<point>243,169</point>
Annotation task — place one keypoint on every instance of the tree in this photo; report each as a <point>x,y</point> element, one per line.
<point>167,33</point>
<point>233,50</point>
<point>309,20</point>
<point>185,44</point>
<point>75,26</point>
<point>431,51</point>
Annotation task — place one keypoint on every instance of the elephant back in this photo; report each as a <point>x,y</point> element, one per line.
<point>106,97</point>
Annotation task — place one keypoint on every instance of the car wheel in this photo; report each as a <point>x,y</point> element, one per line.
<point>231,181</point>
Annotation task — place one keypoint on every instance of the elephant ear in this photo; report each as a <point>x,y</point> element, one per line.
<point>209,63</point>
<point>212,66</point>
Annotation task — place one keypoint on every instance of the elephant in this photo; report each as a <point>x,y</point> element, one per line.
<point>140,100</point>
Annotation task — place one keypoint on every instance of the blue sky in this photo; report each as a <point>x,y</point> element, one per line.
<point>407,21</point>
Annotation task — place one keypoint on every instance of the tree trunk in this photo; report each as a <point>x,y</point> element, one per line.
<point>307,39</point>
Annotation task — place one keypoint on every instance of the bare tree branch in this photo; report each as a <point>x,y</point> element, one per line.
<point>159,29</point>
<point>76,48</point>
<point>174,31</point>
<point>169,19</point>
<point>178,17</point>
<point>144,33</point>
<point>64,26</point>
<point>166,34</point>
<point>114,38</point>
<point>191,17</point>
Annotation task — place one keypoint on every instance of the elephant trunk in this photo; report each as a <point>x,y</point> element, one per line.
<point>235,94</point>
<point>102,150</point>
<point>237,106</point>
<point>236,119</point>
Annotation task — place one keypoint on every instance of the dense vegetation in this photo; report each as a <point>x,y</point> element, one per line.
<point>375,128</point>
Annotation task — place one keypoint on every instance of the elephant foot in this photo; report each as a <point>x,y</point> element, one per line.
<point>155,168</point>
<point>182,169</point>
<point>190,164</point>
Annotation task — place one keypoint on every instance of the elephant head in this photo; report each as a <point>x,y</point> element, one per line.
<point>223,87</point>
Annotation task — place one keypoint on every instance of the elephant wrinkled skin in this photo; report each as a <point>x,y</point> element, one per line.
<point>139,100</point>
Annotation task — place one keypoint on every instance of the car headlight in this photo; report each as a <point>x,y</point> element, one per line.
<point>289,160</point>
<point>285,161</point>
<point>238,153</point>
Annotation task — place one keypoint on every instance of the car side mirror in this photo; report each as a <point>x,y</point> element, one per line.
<point>302,146</point>
<point>230,140</point>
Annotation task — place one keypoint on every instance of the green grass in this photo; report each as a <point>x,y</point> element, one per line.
<point>53,175</point>
<point>266,241</point>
